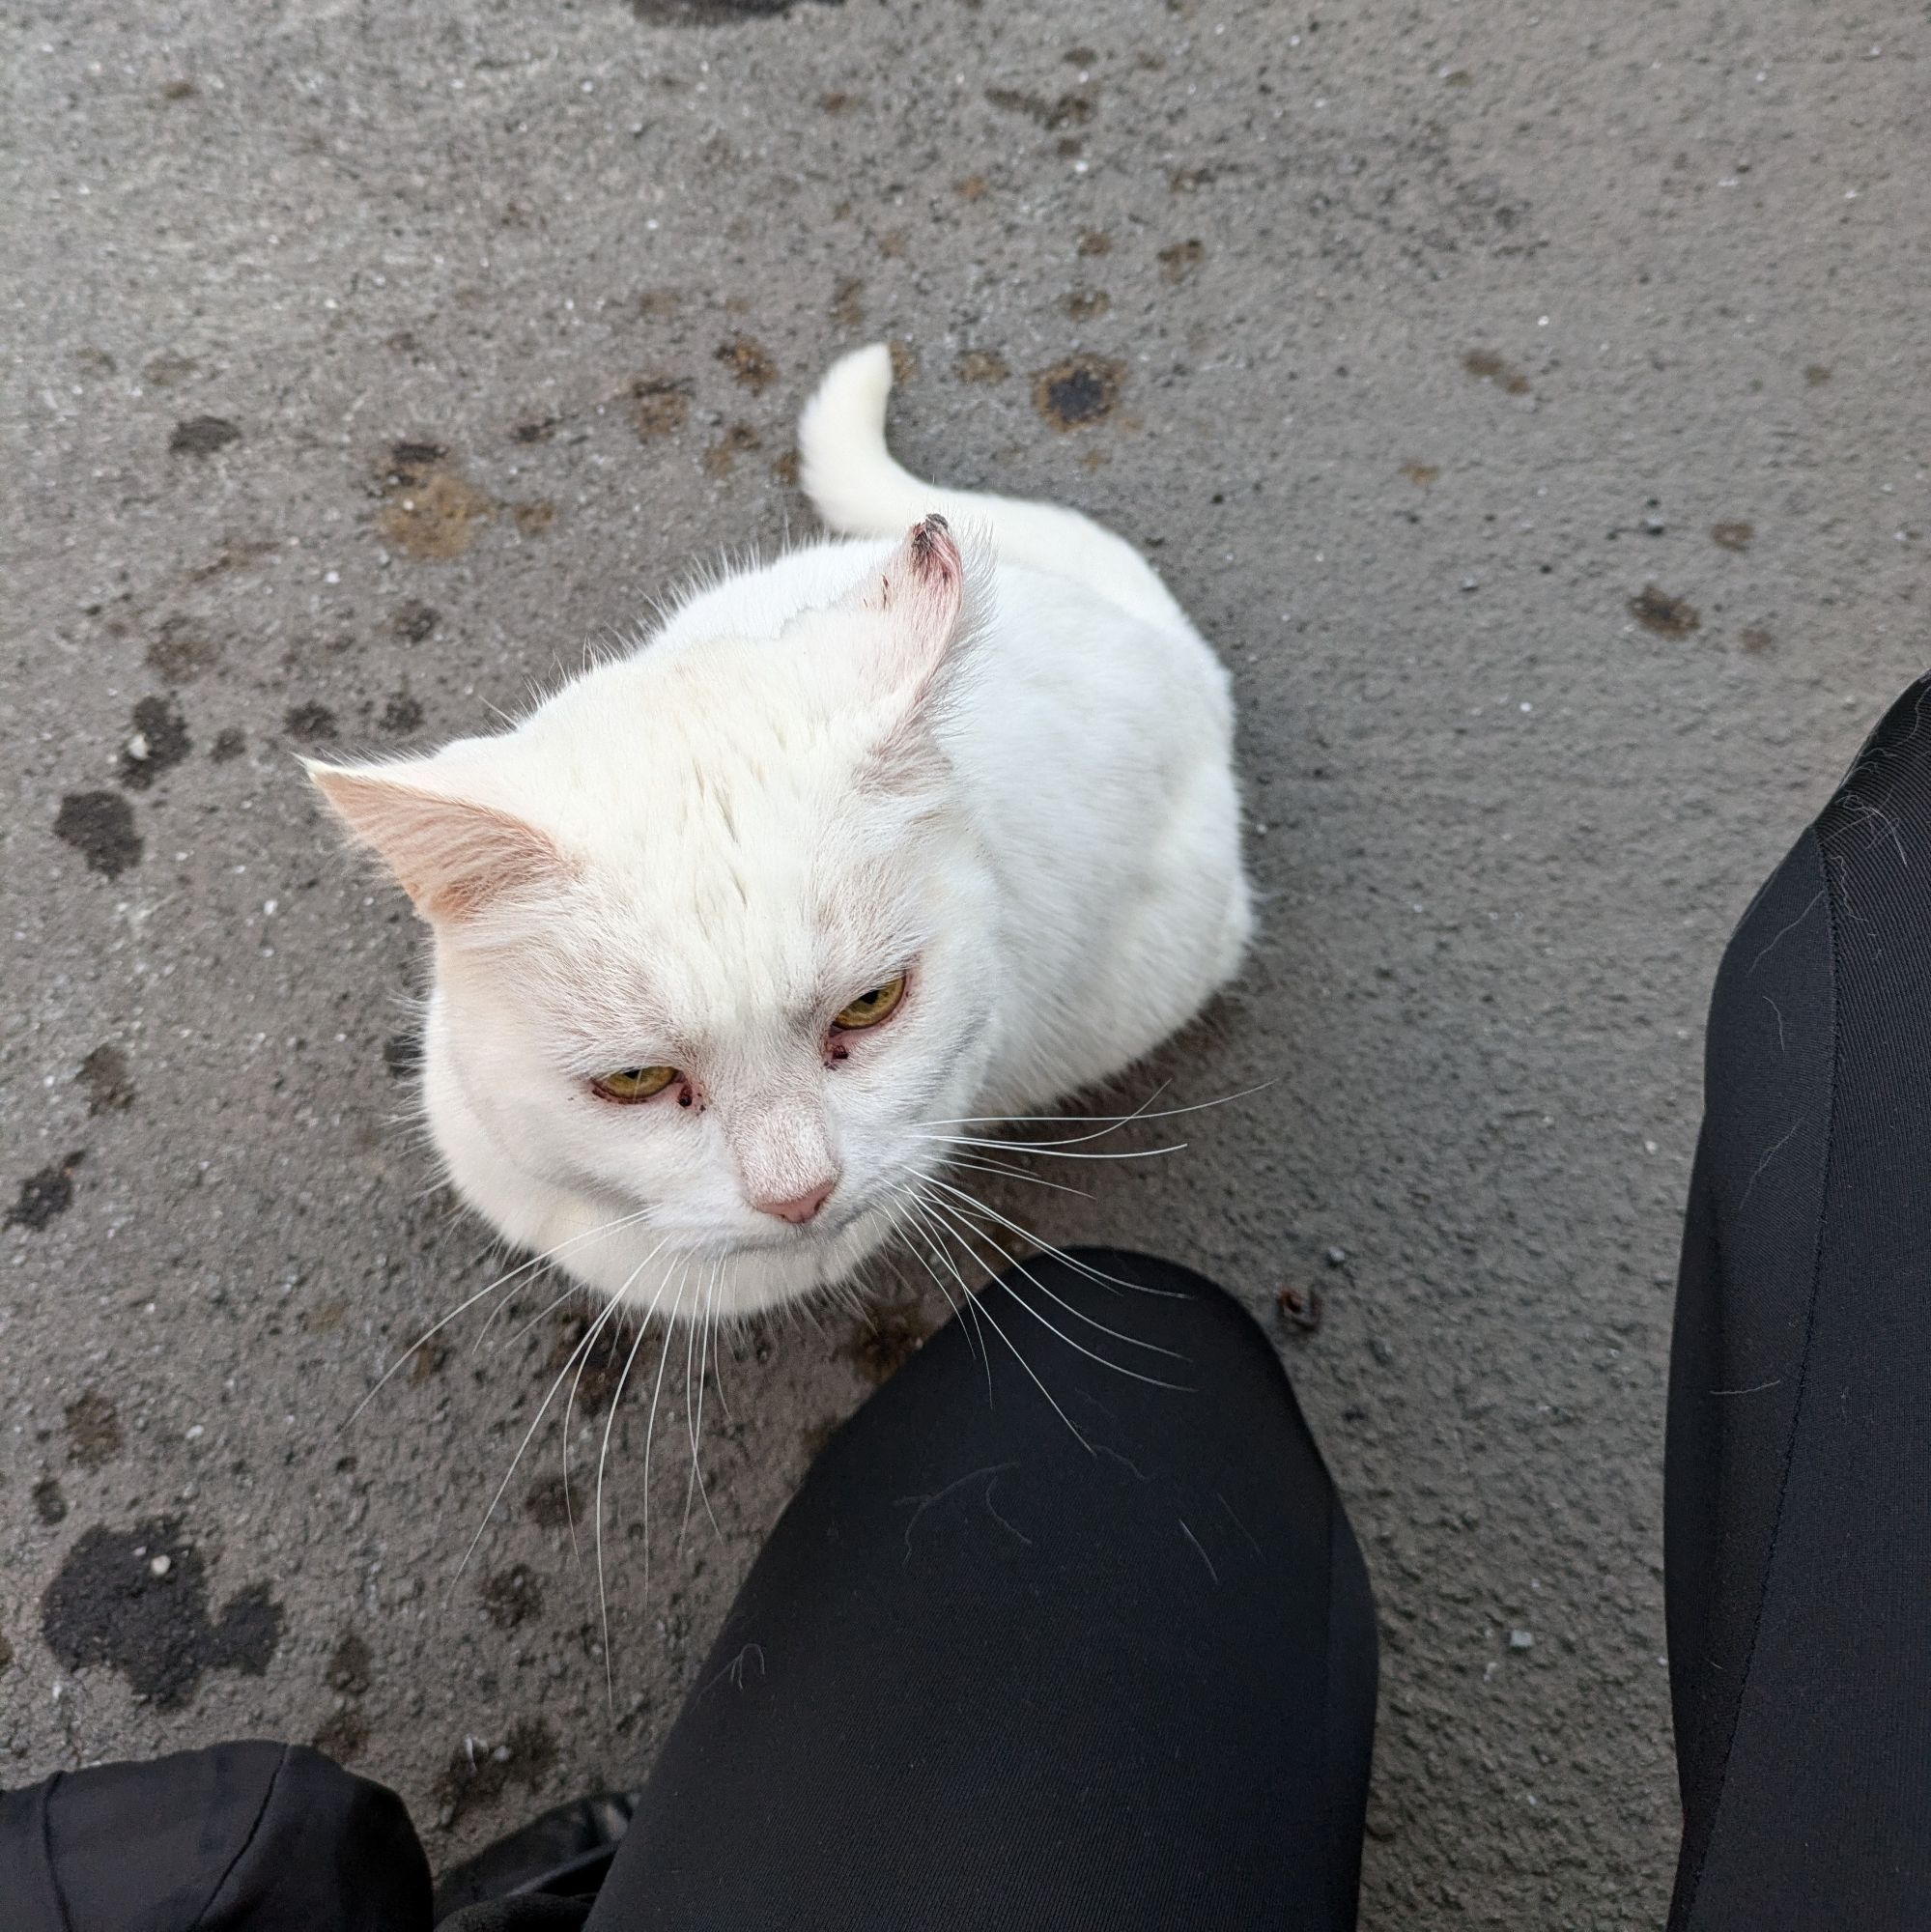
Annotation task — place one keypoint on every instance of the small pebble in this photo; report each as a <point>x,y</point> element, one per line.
<point>1336,1256</point>
<point>1522,1639</point>
<point>159,1566</point>
<point>1300,1306</point>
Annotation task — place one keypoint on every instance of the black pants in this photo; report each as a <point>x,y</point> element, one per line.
<point>1104,1657</point>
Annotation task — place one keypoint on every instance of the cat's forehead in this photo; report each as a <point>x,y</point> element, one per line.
<point>701,969</point>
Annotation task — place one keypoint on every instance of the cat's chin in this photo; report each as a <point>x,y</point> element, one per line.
<point>707,1279</point>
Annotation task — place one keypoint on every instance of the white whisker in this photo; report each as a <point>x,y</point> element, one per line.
<point>1046,1322</point>
<point>583,1347</point>
<point>1013,1173</point>
<point>1139,1113</point>
<point>1052,1150</point>
<point>1058,1254</point>
<point>979,1302</point>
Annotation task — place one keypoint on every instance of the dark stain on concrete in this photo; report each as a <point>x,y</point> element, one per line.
<point>229,743</point>
<point>350,1664</point>
<point>479,1773</point>
<point>1082,305</point>
<point>168,371</point>
<point>402,1054</point>
<point>885,1341</point>
<point>1078,393</point>
<point>848,303</point>
<point>534,517</point>
<point>1073,108</point>
<point>156,742</point>
<point>236,554</point>
<point>1667,616</point>
<point>6,1653</point>
<point>46,1195</point>
<point>713,12</point>
<point>344,1737</point>
<point>1816,374</point>
<point>180,653</point>
<point>737,439</point>
<point>1486,366</point>
<point>100,825</point>
<point>50,1505</point>
<point>512,1597</point>
<point>401,714</point>
<point>202,436</point>
<point>427,1359</point>
<point>413,620</point>
<point>430,510</point>
<point>548,1503</point>
<point>750,363</point>
<point>1755,640</point>
<point>595,1373</point>
<point>1181,262</point>
<point>309,723</point>
<point>136,1600</point>
<point>94,1436</point>
<point>1421,475</point>
<point>982,365</point>
<point>660,405</point>
<point>104,1075</point>
<point>1096,241</point>
<point>539,429</point>
<point>1737,536</point>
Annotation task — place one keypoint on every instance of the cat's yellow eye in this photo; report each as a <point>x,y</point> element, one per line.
<point>630,1084</point>
<point>868,1009</point>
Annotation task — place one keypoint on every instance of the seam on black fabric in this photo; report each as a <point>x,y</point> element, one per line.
<point>242,1851</point>
<point>54,1886</point>
<point>1802,1372</point>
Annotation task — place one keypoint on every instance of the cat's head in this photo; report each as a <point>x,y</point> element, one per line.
<point>713,942</point>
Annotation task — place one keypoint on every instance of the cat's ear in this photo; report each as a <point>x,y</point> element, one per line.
<point>454,857</point>
<point>926,593</point>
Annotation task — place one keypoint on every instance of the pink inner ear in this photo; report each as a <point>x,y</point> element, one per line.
<point>452,856</point>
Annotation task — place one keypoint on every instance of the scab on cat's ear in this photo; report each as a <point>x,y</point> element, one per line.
<point>921,592</point>
<point>455,857</point>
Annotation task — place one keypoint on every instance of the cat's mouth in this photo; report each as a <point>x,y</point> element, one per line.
<point>821,1232</point>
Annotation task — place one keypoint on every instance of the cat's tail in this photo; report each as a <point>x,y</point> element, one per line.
<point>860,489</point>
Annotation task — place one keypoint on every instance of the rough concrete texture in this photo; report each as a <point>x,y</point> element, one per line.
<point>1528,398</point>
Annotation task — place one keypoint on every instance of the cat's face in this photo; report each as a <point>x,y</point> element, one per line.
<point>715,950</point>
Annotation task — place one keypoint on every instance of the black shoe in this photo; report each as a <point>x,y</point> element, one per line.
<point>562,1854</point>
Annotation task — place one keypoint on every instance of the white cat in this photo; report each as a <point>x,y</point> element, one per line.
<point>884,836</point>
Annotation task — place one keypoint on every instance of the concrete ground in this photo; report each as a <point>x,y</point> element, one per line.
<point>1528,398</point>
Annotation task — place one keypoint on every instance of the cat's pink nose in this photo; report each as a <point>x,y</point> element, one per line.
<point>801,1207</point>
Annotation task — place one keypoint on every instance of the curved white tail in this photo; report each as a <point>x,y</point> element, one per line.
<point>860,489</point>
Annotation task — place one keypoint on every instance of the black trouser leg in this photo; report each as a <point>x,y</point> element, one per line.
<point>1097,1656</point>
<point>1799,1487</point>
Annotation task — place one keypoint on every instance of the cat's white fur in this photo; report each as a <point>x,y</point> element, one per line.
<point>1005,766</point>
